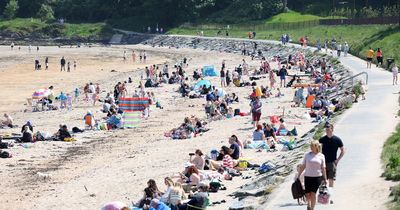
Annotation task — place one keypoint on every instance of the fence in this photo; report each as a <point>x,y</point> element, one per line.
<point>255,27</point>
<point>361,21</point>
<point>294,25</point>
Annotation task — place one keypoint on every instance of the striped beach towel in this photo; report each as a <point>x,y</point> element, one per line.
<point>131,119</point>
<point>133,104</point>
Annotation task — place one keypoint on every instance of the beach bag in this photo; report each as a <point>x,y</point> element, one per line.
<point>323,195</point>
<point>297,190</point>
<point>265,167</point>
<point>76,130</point>
<point>236,112</point>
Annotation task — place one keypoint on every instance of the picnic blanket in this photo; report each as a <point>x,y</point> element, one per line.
<point>133,104</point>
<point>131,119</point>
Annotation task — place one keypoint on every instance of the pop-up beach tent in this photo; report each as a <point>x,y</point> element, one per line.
<point>203,82</point>
<point>210,71</point>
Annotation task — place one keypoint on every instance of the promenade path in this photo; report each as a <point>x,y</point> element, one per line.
<point>363,129</point>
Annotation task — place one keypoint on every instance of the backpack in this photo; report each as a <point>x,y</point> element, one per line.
<point>298,191</point>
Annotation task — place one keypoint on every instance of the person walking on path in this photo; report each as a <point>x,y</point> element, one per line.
<point>345,49</point>
<point>256,106</point>
<point>315,173</point>
<point>62,63</point>
<point>74,65</point>
<point>370,55</point>
<point>330,145</point>
<point>379,57</point>
<point>68,66</point>
<point>339,49</point>
<point>395,71</point>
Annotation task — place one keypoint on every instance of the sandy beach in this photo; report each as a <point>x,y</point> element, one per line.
<point>104,166</point>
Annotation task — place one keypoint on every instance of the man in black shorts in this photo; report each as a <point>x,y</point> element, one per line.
<point>330,145</point>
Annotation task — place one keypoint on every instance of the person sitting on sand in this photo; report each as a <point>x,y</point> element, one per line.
<point>176,196</point>
<point>192,178</point>
<point>230,113</point>
<point>8,122</point>
<point>269,132</point>
<point>150,192</point>
<point>282,127</point>
<point>198,200</point>
<point>27,135</point>
<point>227,161</point>
<point>170,184</point>
<point>236,147</point>
<point>115,121</point>
<point>197,159</point>
<point>62,133</point>
<point>89,120</point>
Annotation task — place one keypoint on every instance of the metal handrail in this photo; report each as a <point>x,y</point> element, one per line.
<point>352,80</point>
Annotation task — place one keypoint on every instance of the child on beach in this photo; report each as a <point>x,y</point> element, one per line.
<point>63,100</point>
<point>76,94</point>
<point>300,176</point>
<point>69,101</point>
<point>89,120</point>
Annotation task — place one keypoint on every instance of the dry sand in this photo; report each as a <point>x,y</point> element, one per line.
<point>114,165</point>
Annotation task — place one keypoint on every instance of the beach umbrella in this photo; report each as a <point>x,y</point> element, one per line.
<point>203,82</point>
<point>41,93</point>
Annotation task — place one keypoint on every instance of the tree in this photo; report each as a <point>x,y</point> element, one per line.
<point>11,9</point>
<point>46,13</point>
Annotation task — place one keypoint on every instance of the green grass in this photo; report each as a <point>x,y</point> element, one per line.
<point>85,29</point>
<point>26,26</point>
<point>391,161</point>
<point>290,17</point>
<point>357,36</point>
<point>22,25</point>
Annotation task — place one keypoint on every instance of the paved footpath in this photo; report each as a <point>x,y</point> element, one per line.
<point>363,130</point>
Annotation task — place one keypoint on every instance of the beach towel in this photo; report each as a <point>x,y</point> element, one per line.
<point>310,100</point>
<point>131,119</point>
<point>133,104</point>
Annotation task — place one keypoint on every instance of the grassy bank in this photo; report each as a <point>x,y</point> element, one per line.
<point>391,161</point>
<point>28,26</point>
<point>359,37</point>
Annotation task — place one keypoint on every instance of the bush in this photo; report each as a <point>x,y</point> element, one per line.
<point>11,9</point>
<point>46,13</point>
<point>54,30</point>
